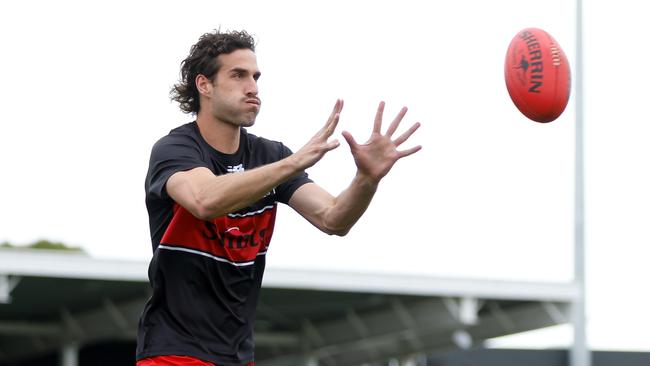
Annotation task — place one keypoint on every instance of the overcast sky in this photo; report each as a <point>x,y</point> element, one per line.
<point>85,95</point>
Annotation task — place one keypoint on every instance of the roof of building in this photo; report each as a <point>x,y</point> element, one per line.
<point>52,298</point>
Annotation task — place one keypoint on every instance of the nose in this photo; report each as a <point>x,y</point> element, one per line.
<point>251,87</point>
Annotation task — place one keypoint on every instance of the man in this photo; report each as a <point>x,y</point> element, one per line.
<point>212,191</point>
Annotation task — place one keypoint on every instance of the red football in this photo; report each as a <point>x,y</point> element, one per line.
<point>537,75</point>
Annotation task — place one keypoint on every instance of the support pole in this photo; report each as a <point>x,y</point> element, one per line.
<point>70,354</point>
<point>579,353</point>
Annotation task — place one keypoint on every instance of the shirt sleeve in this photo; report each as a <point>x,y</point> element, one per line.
<point>285,190</point>
<point>171,154</point>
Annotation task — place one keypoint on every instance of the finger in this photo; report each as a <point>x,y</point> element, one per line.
<point>393,126</point>
<point>405,136</point>
<point>337,106</point>
<point>349,139</point>
<point>332,145</point>
<point>407,152</point>
<point>378,118</point>
<point>329,128</point>
<point>333,120</point>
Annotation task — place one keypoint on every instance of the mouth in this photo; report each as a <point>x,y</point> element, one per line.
<point>254,101</point>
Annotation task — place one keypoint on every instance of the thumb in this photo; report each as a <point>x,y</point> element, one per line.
<point>349,139</point>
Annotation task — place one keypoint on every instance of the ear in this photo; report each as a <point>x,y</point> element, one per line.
<point>203,84</point>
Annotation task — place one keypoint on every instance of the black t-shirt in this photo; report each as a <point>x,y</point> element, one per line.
<point>206,275</point>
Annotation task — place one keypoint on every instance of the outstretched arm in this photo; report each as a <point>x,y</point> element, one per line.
<point>374,159</point>
<point>207,196</point>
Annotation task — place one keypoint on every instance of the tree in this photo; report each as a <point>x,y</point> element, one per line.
<point>43,244</point>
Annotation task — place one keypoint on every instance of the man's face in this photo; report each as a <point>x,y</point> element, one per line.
<point>234,94</point>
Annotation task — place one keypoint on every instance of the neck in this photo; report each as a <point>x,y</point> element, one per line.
<point>222,136</point>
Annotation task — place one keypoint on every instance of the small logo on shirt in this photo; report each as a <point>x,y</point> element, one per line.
<point>235,168</point>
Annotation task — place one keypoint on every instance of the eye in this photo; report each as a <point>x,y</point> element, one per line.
<point>236,74</point>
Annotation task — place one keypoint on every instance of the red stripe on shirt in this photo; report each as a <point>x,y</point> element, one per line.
<point>238,239</point>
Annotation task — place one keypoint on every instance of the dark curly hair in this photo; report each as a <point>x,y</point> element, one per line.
<point>203,61</point>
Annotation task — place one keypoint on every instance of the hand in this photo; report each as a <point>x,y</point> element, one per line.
<point>377,156</point>
<point>316,148</point>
